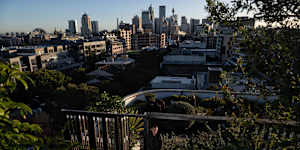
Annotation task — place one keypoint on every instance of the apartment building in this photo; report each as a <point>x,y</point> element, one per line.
<point>125,32</point>
<point>141,40</point>
<point>92,47</point>
<point>114,47</point>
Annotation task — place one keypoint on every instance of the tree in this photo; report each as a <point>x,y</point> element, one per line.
<point>76,96</point>
<point>272,55</point>
<point>107,103</point>
<point>46,83</point>
<point>49,79</point>
<point>78,75</point>
<point>15,133</point>
<point>271,11</point>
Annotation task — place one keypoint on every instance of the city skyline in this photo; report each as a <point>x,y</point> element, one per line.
<point>25,15</point>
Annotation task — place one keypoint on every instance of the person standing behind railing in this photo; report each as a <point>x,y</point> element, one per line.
<point>154,142</point>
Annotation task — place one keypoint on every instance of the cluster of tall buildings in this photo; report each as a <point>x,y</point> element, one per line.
<point>88,26</point>
<point>148,23</point>
<point>145,32</point>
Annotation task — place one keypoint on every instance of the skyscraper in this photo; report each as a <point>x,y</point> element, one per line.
<point>184,20</point>
<point>137,21</point>
<point>95,26</point>
<point>162,12</point>
<point>73,26</point>
<point>86,25</point>
<point>184,25</point>
<point>194,23</point>
<point>157,25</point>
<point>146,17</point>
<point>151,13</point>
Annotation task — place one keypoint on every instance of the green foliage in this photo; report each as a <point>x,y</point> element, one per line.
<point>136,127</point>
<point>76,95</point>
<point>49,80</point>
<point>90,61</point>
<point>78,75</point>
<point>108,103</point>
<point>15,133</point>
<point>272,57</point>
<point>202,110</point>
<point>58,142</point>
<point>10,77</point>
<point>56,88</point>
<point>213,102</point>
<point>192,99</point>
<point>179,107</point>
<point>150,97</point>
<point>269,11</point>
<point>201,140</point>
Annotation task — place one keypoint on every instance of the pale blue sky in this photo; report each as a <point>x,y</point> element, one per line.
<point>25,15</point>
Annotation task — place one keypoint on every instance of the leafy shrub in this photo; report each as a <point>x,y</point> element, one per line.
<point>201,109</point>
<point>150,97</point>
<point>179,107</point>
<point>107,103</point>
<point>15,131</point>
<point>174,98</point>
<point>213,102</point>
<point>200,140</point>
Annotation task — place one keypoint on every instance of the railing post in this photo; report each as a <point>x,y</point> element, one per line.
<point>146,128</point>
<point>117,143</point>
<point>75,123</point>
<point>91,132</point>
<point>105,141</point>
<point>68,127</point>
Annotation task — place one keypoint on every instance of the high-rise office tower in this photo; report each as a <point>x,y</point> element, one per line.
<point>184,20</point>
<point>146,17</point>
<point>73,26</point>
<point>86,25</point>
<point>95,26</point>
<point>162,18</point>
<point>162,12</point>
<point>184,25</point>
<point>137,21</point>
<point>194,23</point>
<point>151,13</point>
<point>157,25</point>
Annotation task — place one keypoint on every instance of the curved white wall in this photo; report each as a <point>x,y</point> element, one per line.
<point>163,93</point>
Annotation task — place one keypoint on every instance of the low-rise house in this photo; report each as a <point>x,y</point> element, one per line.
<point>166,82</point>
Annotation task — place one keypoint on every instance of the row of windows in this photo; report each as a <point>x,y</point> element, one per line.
<point>94,46</point>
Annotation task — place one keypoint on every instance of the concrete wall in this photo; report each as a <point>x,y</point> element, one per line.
<point>163,93</point>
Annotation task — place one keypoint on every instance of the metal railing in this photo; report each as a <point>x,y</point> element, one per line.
<point>110,131</point>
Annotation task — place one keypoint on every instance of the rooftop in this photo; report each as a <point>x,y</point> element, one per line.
<point>215,69</point>
<point>100,73</point>
<point>184,59</point>
<point>117,61</point>
<point>164,79</point>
